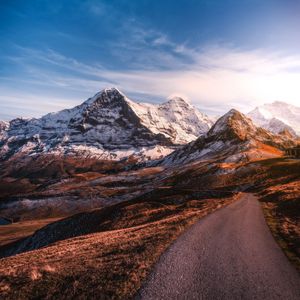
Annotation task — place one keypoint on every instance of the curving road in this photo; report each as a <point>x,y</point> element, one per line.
<point>229,254</point>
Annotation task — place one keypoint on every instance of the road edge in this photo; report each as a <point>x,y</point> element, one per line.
<point>273,224</point>
<point>237,197</point>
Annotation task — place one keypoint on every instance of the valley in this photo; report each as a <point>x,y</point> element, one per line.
<point>99,193</point>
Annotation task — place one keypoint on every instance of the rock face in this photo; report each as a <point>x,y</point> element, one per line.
<point>277,117</point>
<point>232,138</point>
<point>109,126</point>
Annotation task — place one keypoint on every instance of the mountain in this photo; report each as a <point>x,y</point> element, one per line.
<point>3,128</point>
<point>277,116</point>
<point>233,138</point>
<point>107,126</point>
<point>277,126</point>
<point>176,119</point>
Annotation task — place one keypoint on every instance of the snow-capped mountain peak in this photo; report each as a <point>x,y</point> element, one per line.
<point>106,95</point>
<point>178,100</point>
<point>233,124</point>
<point>3,125</point>
<point>277,126</point>
<point>176,119</point>
<point>108,124</point>
<point>277,116</point>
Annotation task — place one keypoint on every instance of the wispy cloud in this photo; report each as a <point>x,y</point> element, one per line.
<point>27,105</point>
<point>215,78</point>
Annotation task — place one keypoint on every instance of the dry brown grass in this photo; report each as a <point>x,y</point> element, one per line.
<point>277,182</point>
<point>111,259</point>
<point>103,265</point>
<point>281,204</point>
<point>16,231</point>
<point>47,176</point>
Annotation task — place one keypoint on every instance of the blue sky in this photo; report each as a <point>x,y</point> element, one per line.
<point>218,54</point>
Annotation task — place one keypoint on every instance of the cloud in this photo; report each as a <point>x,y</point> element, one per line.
<point>215,78</point>
<point>27,105</point>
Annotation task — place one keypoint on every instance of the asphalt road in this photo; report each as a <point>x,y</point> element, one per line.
<point>229,254</point>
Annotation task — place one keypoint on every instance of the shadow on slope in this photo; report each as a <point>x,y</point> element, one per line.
<point>150,207</point>
<point>104,254</point>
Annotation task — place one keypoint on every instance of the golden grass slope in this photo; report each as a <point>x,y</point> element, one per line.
<point>108,264</point>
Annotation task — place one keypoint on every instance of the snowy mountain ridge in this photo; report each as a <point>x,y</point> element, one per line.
<point>109,126</point>
<point>233,138</point>
<point>277,117</point>
<point>175,118</point>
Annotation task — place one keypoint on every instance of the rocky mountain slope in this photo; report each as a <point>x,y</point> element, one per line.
<point>277,117</point>
<point>50,186</point>
<point>108,126</point>
<point>124,218</point>
<point>233,138</point>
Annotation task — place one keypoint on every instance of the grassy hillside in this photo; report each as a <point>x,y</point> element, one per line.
<point>104,254</point>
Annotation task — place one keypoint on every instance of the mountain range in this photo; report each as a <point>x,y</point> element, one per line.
<point>90,197</point>
<point>106,126</point>
<point>110,126</point>
<point>45,160</point>
<point>235,138</point>
<point>277,117</point>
